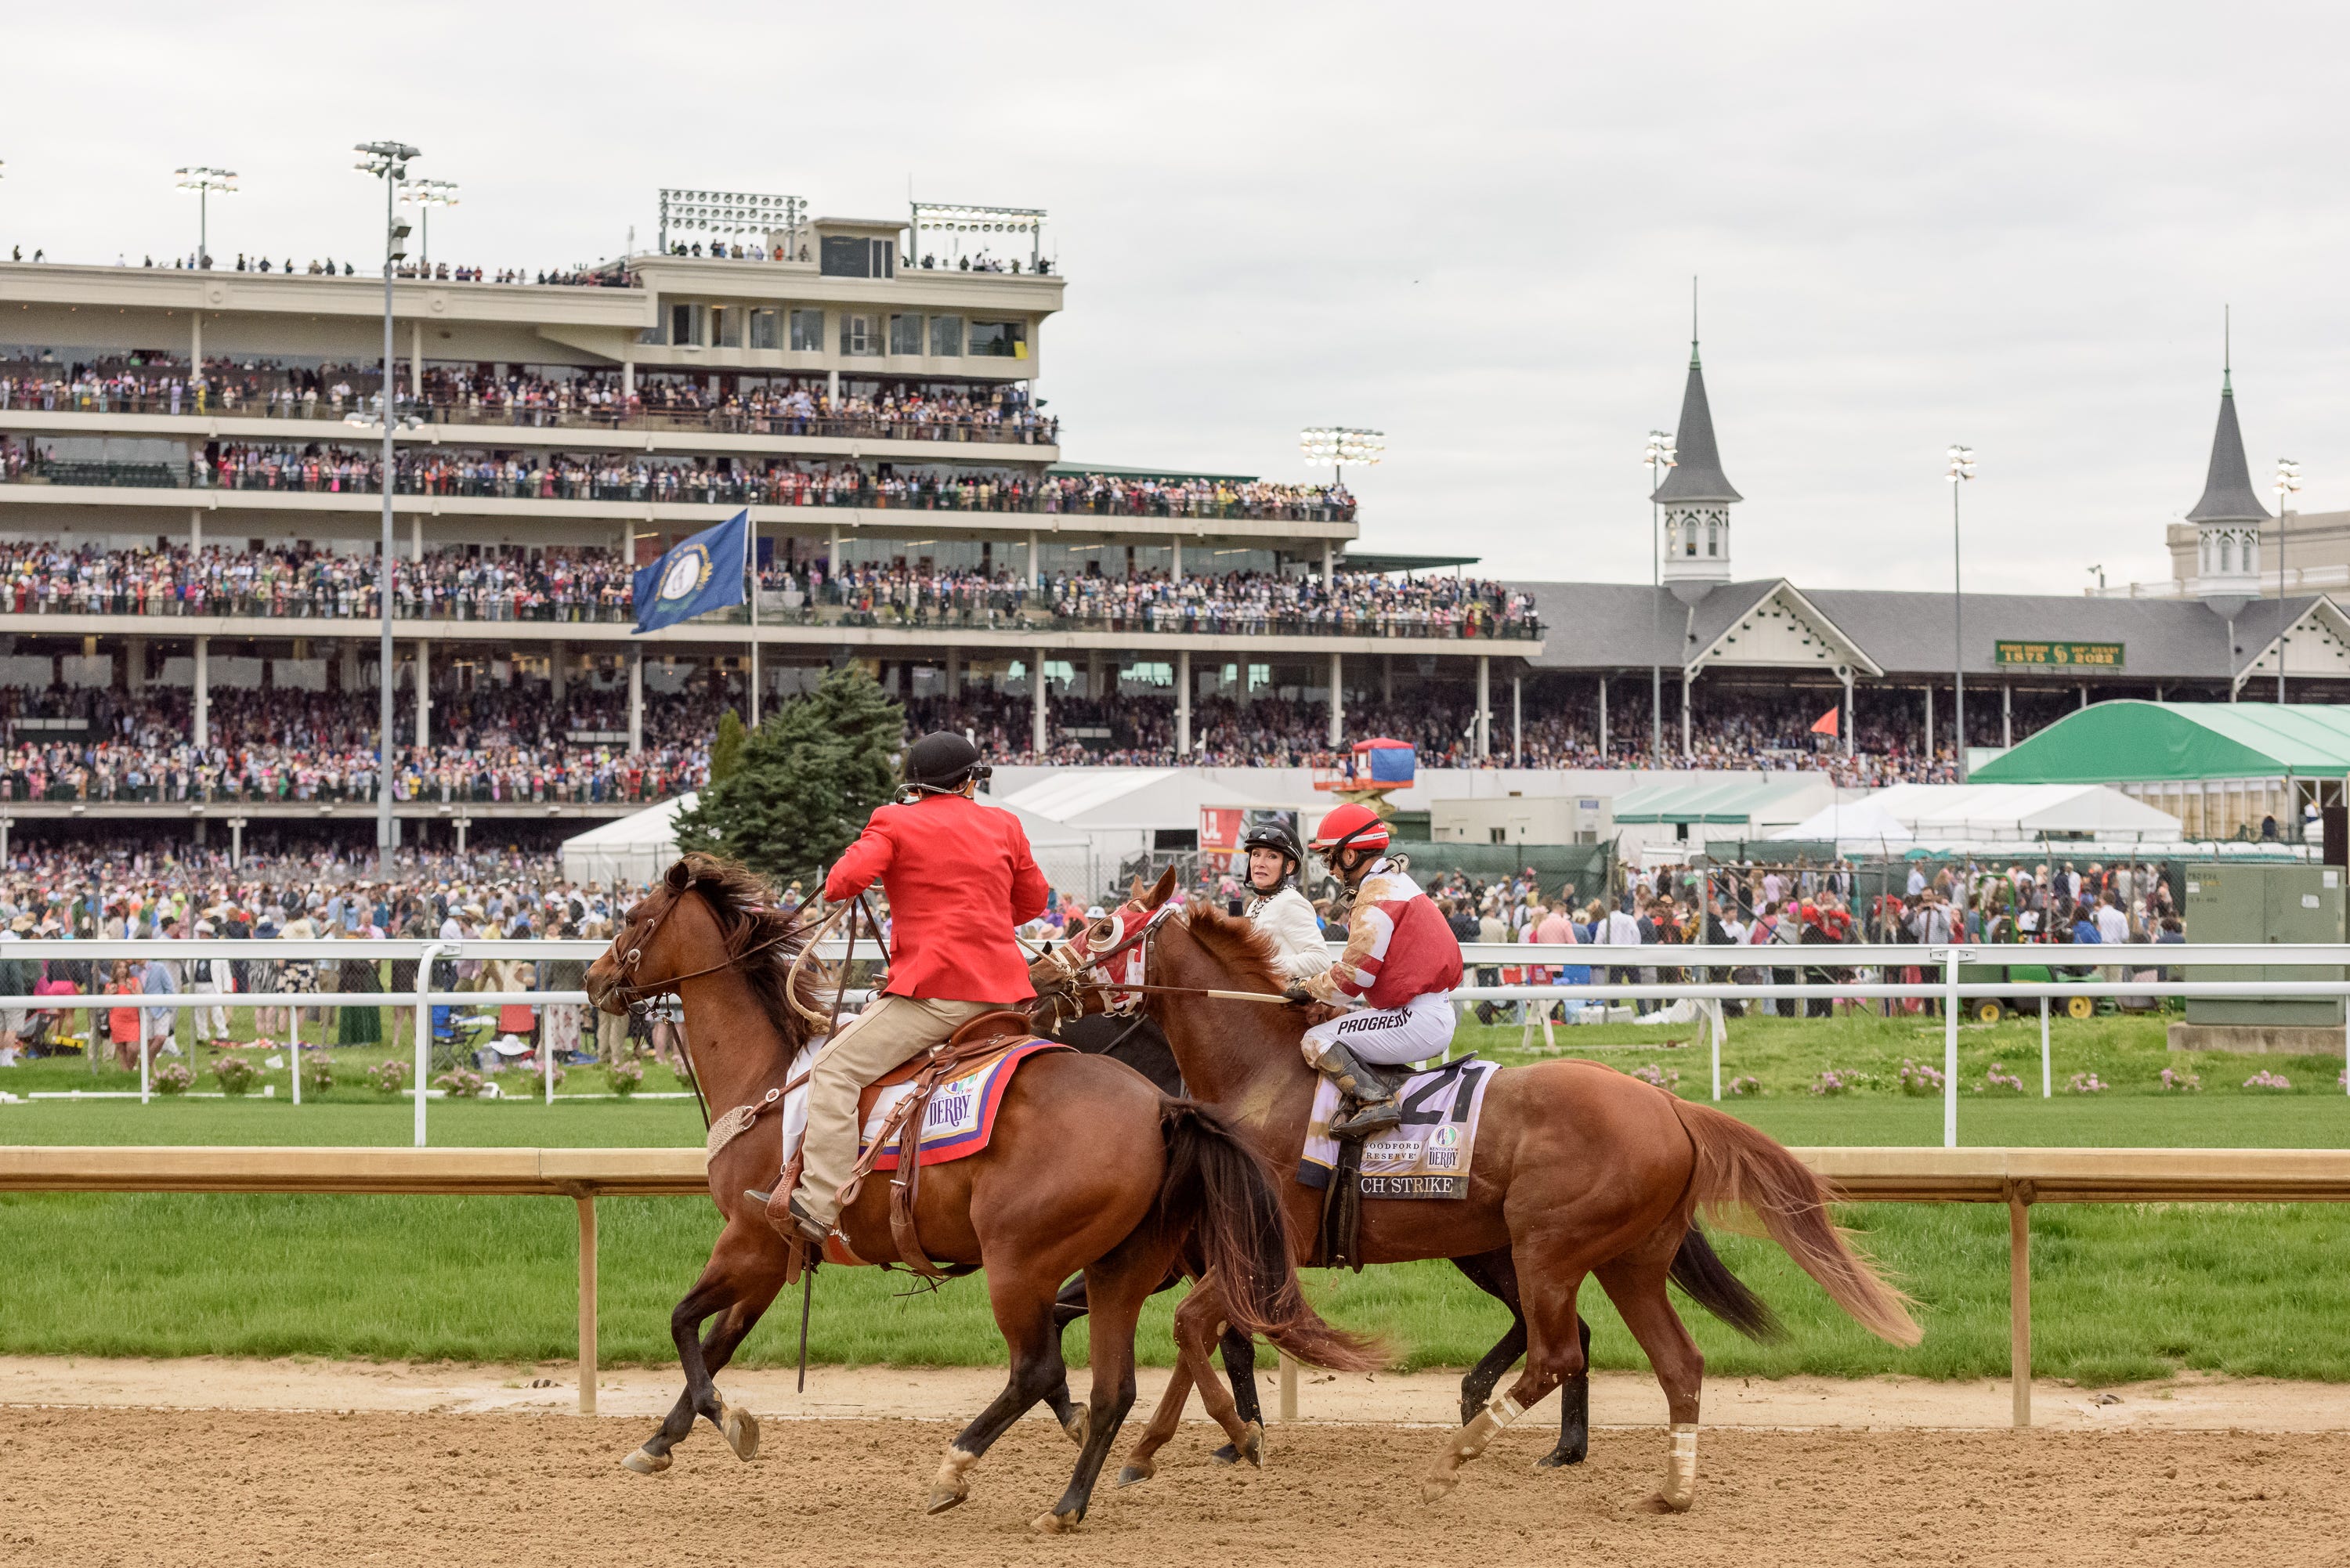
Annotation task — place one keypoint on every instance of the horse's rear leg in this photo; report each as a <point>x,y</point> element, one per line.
<point>1240,1371</point>
<point>1118,1285</point>
<point>1635,1283</point>
<point>1199,1325</point>
<point>1023,1300</point>
<point>1140,1461</point>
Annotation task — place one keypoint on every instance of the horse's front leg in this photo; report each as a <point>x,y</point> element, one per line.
<point>739,1282</point>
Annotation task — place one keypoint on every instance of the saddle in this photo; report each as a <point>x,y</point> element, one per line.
<point>975,1042</point>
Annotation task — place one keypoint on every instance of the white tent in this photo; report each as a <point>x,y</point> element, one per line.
<point>1853,822</point>
<point>1978,812</point>
<point>630,850</point>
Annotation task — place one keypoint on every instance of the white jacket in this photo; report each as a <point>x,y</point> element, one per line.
<point>1289,920</point>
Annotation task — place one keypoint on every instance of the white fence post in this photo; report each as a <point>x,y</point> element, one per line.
<point>2046,1089</point>
<point>1951,1047</point>
<point>142,1056</point>
<point>424,1031</point>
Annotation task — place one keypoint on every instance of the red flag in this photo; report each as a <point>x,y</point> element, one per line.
<point>1828,723</point>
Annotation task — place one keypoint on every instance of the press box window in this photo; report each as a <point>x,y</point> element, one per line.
<point>906,335</point>
<point>763,329</point>
<point>808,331</point>
<point>689,325</point>
<point>857,336</point>
<point>726,326</point>
<point>854,256</point>
<point>999,339</point>
<point>946,336</point>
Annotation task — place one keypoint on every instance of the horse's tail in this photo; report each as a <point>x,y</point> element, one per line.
<point>1698,1270</point>
<point>1738,1166</point>
<point>1218,1187</point>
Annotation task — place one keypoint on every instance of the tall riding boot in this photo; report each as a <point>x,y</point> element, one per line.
<point>1376,1110</point>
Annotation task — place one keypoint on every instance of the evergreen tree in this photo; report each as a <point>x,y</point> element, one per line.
<point>803,781</point>
<point>726,748</point>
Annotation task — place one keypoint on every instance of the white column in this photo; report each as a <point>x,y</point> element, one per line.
<point>1484,707</point>
<point>1031,558</point>
<point>1183,703</point>
<point>134,664</point>
<point>636,700</point>
<point>416,361</point>
<point>1329,565</point>
<point>1603,715</point>
<point>195,349</point>
<point>628,377</point>
<point>1518,721</point>
<point>1930,722</point>
<point>204,693</point>
<point>1338,698</point>
<point>1176,571</point>
<point>832,554</point>
<point>424,692</point>
<point>1093,674</point>
<point>2007,711</point>
<point>557,655</point>
<point>955,671</point>
<point>195,531</point>
<point>1036,700</point>
<point>416,540</point>
<point>1687,751</point>
<point>350,665</point>
<point>1851,720</point>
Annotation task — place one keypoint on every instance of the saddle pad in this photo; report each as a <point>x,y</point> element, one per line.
<point>1428,1154</point>
<point>961,1118</point>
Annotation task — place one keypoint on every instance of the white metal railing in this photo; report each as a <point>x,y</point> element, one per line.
<point>1945,987</point>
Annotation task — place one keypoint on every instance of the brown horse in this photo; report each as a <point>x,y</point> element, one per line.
<point>1578,1170</point>
<point>1089,1169</point>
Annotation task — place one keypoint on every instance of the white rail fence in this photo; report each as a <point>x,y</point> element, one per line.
<point>1944,988</point>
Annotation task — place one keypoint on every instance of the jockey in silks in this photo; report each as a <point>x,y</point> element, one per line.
<point>1277,908</point>
<point>960,879</point>
<point>1401,964</point>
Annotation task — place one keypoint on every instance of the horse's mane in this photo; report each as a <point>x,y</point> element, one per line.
<point>743,905</point>
<point>1235,942</point>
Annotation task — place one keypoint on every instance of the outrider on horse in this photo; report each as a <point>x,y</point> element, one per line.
<point>1579,1171</point>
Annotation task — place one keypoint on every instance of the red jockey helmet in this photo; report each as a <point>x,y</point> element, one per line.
<point>1350,825</point>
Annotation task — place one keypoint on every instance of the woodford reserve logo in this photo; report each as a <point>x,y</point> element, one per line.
<point>2060,655</point>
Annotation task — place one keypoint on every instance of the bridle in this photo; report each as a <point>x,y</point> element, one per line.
<point>1079,978</point>
<point>634,993</point>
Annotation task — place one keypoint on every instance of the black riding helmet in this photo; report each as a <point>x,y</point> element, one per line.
<point>1277,837</point>
<point>938,764</point>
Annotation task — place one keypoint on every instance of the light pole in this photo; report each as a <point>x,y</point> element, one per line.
<point>1961,469</point>
<point>388,161</point>
<point>203,183</point>
<point>1336,446</point>
<point>424,195</point>
<point>1658,457</point>
<point>2287,484</point>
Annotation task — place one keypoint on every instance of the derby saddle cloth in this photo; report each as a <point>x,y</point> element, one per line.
<point>1425,1157</point>
<point>950,1095</point>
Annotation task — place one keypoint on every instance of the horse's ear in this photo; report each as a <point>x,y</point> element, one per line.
<point>680,878</point>
<point>1135,889</point>
<point>1164,891</point>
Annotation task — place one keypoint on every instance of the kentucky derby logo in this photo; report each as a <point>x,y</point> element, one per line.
<point>686,574</point>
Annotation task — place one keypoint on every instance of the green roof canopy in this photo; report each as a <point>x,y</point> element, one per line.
<point>2131,742</point>
<point>1734,802</point>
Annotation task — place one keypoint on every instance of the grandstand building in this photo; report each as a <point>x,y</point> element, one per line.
<point>190,510</point>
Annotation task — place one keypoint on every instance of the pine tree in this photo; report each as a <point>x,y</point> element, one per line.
<point>803,781</point>
<point>726,748</point>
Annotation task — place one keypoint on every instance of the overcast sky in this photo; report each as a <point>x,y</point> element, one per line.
<point>1471,227</point>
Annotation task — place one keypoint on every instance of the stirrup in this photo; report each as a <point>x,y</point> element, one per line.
<point>1371,1116</point>
<point>793,1220</point>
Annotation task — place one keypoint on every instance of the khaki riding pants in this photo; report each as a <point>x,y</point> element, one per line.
<point>885,1033</point>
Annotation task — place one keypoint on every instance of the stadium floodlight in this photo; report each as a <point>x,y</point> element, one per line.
<point>2287,484</point>
<point>957,219</point>
<point>727,212</point>
<point>388,161</point>
<point>424,195</point>
<point>1336,446</point>
<point>203,181</point>
<point>1961,469</point>
<point>1661,455</point>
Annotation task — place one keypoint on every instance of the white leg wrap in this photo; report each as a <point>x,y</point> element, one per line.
<point>1470,1440</point>
<point>1680,1468</point>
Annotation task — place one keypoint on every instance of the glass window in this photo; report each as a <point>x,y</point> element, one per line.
<point>857,336</point>
<point>687,325</point>
<point>1000,339</point>
<point>763,329</point>
<point>726,326</point>
<point>946,336</point>
<point>808,331</point>
<point>905,335</point>
<point>844,255</point>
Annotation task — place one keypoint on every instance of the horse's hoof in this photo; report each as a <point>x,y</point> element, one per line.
<point>1253,1450</point>
<point>1560,1457</point>
<point>646,1462</point>
<point>1134,1475</point>
<point>1435,1488</point>
<point>1080,1425</point>
<point>741,1430</point>
<point>1227,1455</point>
<point>1660,1503</point>
<point>942,1500</point>
<point>952,1484</point>
<point>1057,1523</point>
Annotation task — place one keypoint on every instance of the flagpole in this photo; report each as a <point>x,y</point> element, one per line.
<point>750,560</point>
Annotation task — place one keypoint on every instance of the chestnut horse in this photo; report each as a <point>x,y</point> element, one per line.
<point>1089,1169</point>
<point>1578,1170</point>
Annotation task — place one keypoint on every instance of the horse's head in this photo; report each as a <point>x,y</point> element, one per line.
<point>1079,976</point>
<point>706,916</point>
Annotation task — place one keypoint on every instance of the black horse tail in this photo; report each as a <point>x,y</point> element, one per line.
<point>1218,1189</point>
<point>1698,1270</point>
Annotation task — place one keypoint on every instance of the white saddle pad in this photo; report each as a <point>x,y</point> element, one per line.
<point>1428,1154</point>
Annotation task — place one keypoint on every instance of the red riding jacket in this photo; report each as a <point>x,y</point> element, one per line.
<point>960,878</point>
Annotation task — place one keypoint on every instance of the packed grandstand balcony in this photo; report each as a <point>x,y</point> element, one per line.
<point>740,402</point>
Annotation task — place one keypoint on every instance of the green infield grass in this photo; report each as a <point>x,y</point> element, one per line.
<point>2120,1292</point>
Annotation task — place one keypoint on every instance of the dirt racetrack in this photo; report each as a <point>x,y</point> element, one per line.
<point>96,1487</point>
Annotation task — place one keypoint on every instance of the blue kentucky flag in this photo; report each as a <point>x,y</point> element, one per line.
<point>697,575</point>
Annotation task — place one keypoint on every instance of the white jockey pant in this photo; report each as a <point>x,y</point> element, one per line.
<point>1387,1036</point>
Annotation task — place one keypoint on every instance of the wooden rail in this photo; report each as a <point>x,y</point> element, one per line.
<point>2018,1177</point>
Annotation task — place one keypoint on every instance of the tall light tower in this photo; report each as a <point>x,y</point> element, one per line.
<point>1961,469</point>
<point>388,161</point>
<point>1659,456</point>
<point>2287,484</point>
<point>203,183</point>
<point>1336,446</point>
<point>424,195</point>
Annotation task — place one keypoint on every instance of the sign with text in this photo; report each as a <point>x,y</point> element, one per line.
<point>2059,655</point>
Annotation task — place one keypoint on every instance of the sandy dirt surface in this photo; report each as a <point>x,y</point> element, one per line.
<point>96,1486</point>
<point>1618,1399</point>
